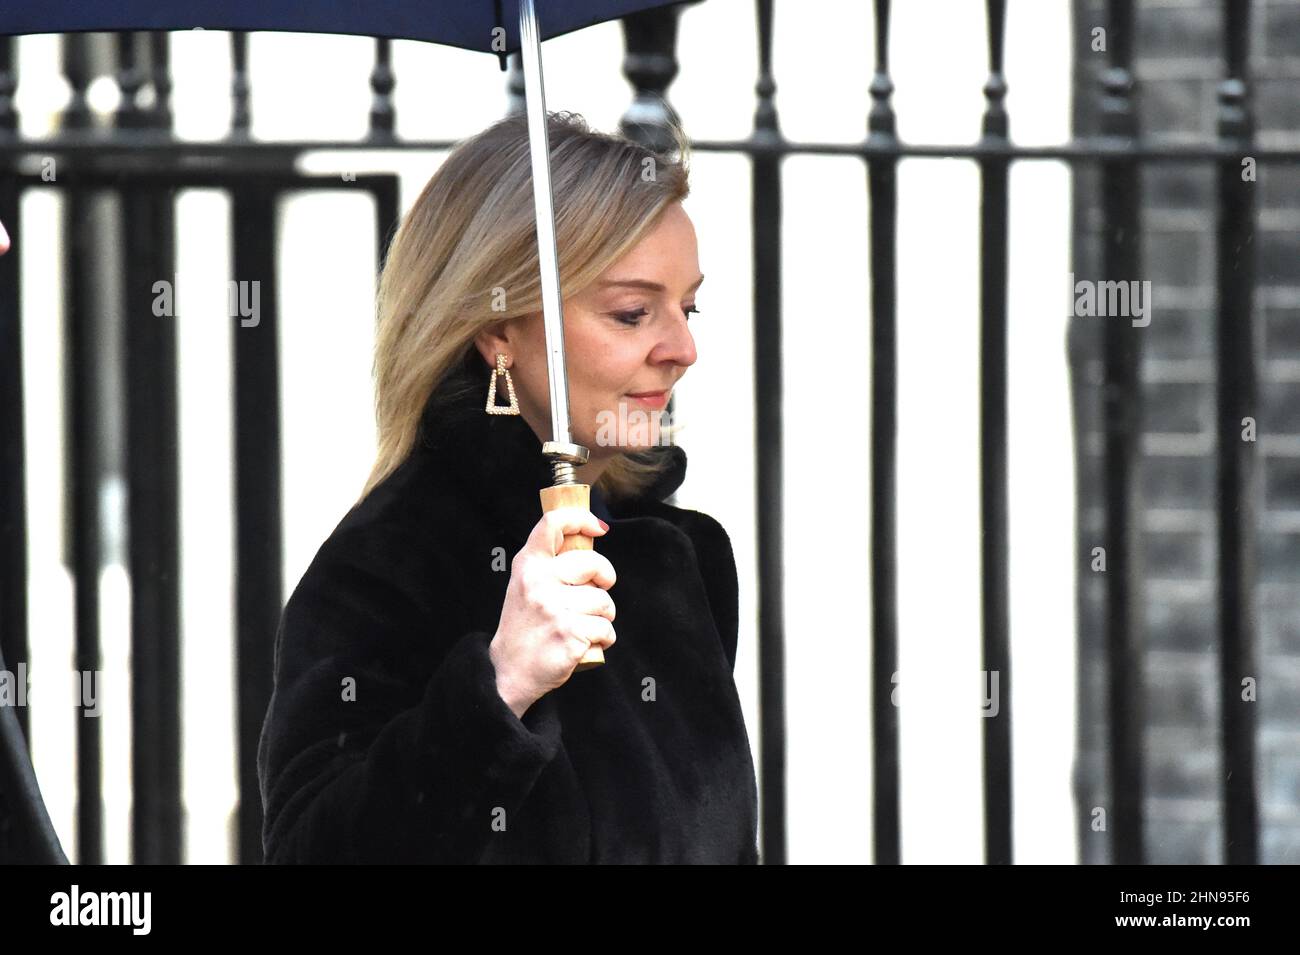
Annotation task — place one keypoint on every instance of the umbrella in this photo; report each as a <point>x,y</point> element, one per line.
<point>498,26</point>
<point>489,26</point>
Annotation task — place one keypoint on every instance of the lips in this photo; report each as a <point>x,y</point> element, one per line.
<point>652,399</point>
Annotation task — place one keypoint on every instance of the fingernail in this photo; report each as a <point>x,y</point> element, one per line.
<point>603,525</point>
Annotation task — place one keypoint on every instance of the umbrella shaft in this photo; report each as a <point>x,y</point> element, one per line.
<point>539,143</point>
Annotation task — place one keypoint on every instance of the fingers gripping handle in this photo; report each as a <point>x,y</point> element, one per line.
<point>574,495</point>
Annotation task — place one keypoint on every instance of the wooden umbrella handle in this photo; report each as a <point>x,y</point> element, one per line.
<point>574,495</point>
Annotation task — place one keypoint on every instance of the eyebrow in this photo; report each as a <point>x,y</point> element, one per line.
<point>643,284</point>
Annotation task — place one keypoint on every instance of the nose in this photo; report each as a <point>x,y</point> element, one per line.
<point>678,344</point>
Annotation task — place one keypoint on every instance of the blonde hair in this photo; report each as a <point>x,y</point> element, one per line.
<point>473,230</point>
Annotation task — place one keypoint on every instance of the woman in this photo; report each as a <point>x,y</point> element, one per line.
<point>426,704</point>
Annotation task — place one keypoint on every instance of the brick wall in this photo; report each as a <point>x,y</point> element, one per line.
<point>1179,62</point>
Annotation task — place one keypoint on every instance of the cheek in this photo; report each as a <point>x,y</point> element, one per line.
<point>613,380</point>
<point>605,363</point>
<point>602,392</point>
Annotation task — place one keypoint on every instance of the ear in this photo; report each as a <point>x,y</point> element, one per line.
<point>491,340</point>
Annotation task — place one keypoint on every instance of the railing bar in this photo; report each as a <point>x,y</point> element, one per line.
<point>1121,410</point>
<point>82,381</point>
<point>153,471</point>
<point>382,82</point>
<point>8,84</point>
<point>1238,505</point>
<point>153,480</point>
<point>130,79</point>
<point>994,520</point>
<point>161,77</point>
<point>882,188</point>
<point>769,434</point>
<point>13,491</point>
<point>258,520</point>
<point>241,117</point>
<point>386,193</point>
<point>285,153</point>
<point>200,179</point>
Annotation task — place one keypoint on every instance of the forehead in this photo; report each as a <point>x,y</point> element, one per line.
<point>666,256</point>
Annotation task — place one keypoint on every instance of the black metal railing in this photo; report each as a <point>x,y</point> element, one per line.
<point>141,161</point>
<point>140,164</point>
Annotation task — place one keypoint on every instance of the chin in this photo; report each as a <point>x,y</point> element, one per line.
<point>624,426</point>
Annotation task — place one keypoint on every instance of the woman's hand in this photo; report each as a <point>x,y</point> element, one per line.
<point>555,609</point>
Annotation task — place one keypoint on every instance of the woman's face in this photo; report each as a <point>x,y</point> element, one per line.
<point>625,336</point>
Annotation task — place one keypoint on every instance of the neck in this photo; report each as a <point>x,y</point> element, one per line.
<point>590,472</point>
<point>587,473</point>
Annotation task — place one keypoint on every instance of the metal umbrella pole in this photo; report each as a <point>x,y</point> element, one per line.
<point>563,453</point>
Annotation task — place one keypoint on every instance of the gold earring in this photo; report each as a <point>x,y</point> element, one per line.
<point>492,406</point>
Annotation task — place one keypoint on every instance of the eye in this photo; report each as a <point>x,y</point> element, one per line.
<point>633,318</point>
<point>630,318</point>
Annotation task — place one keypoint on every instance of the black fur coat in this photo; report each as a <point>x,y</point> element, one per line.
<point>386,740</point>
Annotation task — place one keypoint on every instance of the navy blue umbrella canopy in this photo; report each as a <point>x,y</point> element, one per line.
<point>468,24</point>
